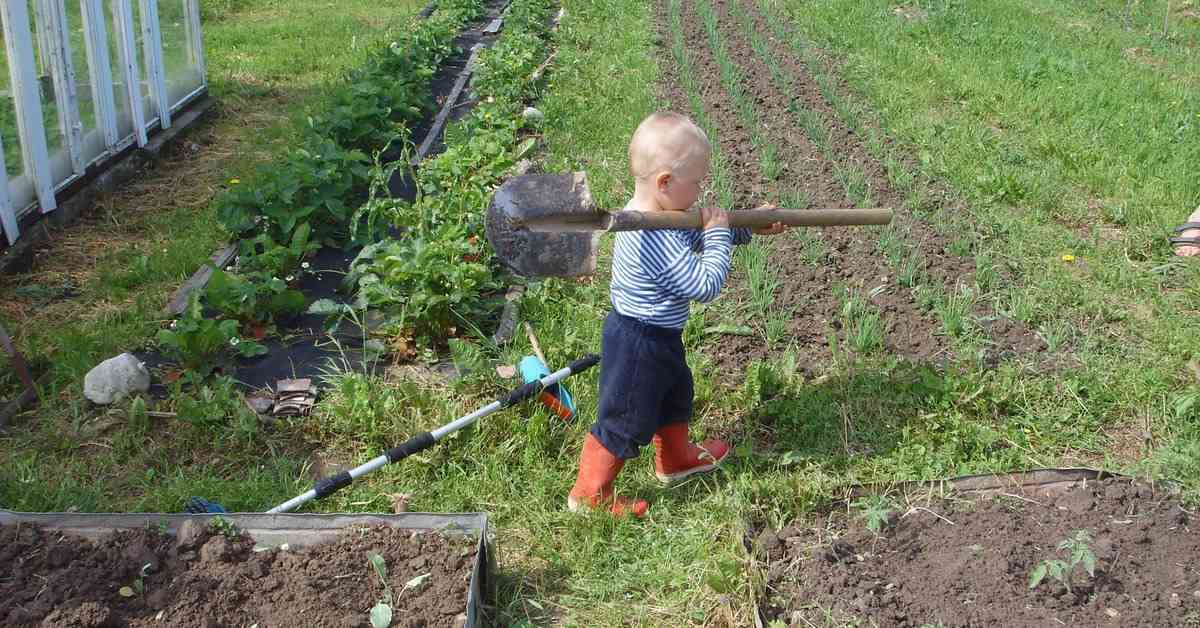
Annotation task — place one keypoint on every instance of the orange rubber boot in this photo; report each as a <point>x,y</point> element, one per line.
<point>594,486</point>
<point>676,457</point>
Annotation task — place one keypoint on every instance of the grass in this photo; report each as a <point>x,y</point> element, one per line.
<point>1100,171</point>
<point>1126,315</point>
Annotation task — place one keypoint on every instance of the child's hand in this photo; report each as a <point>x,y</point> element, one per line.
<point>714,217</point>
<point>774,229</point>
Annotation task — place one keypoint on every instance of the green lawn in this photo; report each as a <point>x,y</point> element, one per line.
<point>970,94</point>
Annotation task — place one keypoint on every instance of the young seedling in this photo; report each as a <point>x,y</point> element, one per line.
<point>795,198</point>
<point>224,526</point>
<point>139,585</point>
<point>763,281</point>
<point>777,328</point>
<point>912,272</point>
<point>862,323</point>
<point>769,162</point>
<point>955,312</point>
<point>381,613</point>
<point>854,182</point>
<point>876,512</point>
<point>1079,552</point>
<point>891,244</point>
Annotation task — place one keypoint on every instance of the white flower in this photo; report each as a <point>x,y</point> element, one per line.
<point>234,341</point>
<point>305,265</point>
<point>290,279</point>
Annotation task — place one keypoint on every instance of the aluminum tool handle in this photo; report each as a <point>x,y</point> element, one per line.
<point>329,485</point>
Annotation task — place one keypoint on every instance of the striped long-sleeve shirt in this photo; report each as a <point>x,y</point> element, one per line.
<point>656,274</point>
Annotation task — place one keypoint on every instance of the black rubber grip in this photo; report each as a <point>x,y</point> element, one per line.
<point>584,363</point>
<point>410,447</point>
<point>332,484</point>
<point>521,394</point>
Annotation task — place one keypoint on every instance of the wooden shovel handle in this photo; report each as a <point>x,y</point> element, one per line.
<point>751,218</point>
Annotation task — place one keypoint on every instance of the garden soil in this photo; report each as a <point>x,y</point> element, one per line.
<point>967,562</point>
<point>207,580</point>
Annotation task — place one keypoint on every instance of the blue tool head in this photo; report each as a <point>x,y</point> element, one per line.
<point>533,369</point>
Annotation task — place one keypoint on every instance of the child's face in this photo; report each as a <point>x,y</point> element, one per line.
<point>680,189</point>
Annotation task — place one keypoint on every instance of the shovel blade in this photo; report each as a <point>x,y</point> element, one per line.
<point>539,197</point>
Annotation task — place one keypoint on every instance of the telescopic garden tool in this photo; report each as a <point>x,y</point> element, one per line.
<point>546,225</point>
<point>330,485</point>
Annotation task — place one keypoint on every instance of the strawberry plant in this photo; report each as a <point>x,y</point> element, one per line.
<point>438,270</point>
<point>505,69</point>
<point>425,280</point>
<point>202,344</point>
<point>315,184</point>
<point>253,299</point>
<point>262,254</point>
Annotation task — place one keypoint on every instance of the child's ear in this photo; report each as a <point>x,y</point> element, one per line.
<point>662,180</point>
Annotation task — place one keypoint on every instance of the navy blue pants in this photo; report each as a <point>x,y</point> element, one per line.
<point>645,383</point>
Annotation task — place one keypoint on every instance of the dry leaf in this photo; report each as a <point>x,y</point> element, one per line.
<point>507,371</point>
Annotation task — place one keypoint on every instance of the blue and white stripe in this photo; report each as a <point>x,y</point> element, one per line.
<point>656,274</point>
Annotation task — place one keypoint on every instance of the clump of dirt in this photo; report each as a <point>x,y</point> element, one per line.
<point>968,562</point>
<point>206,579</point>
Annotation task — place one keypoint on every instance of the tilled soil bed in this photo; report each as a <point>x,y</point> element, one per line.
<point>968,561</point>
<point>850,258</point>
<point>206,579</point>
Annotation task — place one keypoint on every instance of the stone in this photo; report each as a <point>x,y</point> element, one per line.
<point>1174,601</point>
<point>533,114</point>
<point>116,378</point>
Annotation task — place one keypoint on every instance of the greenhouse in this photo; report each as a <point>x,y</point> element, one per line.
<point>81,83</point>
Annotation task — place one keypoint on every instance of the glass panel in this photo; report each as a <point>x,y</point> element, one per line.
<point>93,138</point>
<point>181,67</point>
<point>120,91</point>
<point>41,54</point>
<point>140,45</point>
<point>8,117</point>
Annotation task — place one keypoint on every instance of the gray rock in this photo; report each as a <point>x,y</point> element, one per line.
<point>116,378</point>
<point>533,114</point>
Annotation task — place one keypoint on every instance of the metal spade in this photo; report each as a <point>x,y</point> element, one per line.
<point>547,225</point>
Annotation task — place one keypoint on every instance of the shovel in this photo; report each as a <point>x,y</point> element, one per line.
<point>546,225</point>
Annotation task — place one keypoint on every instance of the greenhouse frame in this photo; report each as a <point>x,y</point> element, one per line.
<point>84,81</point>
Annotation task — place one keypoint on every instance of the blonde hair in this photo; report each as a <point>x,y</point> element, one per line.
<point>666,141</point>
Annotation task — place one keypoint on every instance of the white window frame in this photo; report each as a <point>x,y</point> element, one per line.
<point>27,101</point>
<point>100,71</point>
<point>8,216</point>
<point>62,69</point>
<point>123,19</point>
